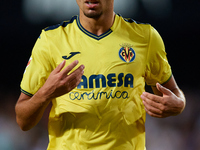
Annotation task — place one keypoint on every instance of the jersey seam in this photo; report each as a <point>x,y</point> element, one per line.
<point>149,43</point>
<point>50,55</point>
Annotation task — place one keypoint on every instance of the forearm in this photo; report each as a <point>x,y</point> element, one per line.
<point>30,111</point>
<point>181,97</point>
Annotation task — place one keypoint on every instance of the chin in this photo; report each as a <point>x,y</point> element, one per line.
<point>93,15</point>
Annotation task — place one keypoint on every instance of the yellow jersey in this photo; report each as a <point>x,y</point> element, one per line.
<point>105,111</point>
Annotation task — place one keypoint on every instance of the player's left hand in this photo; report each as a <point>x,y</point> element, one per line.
<point>161,106</point>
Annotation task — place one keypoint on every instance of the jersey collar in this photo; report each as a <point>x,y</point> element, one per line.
<point>94,36</point>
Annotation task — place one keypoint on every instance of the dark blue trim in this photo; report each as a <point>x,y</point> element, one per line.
<point>168,79</point>
<point>27,93</point>
<point>94,36</point>
<point>52,27</point>
<point>130,20</point>
<point>165,81</point>
<point>63,24</point>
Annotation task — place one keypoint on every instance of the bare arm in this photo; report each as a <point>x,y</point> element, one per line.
<point>29,110</point>
<point>168,100</point>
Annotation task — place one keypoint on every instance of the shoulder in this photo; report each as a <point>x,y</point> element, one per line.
<point>134,24</point>
<point>59,27</point>
<point>134,29</point>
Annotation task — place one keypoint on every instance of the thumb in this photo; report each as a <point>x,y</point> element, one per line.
<point>163,89</point>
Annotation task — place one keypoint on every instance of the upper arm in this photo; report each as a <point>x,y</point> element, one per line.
<point>158,68</point>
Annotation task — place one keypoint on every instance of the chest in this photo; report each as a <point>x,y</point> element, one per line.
<point>112,54</point>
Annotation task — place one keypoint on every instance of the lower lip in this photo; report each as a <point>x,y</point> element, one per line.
<point>91,6</point>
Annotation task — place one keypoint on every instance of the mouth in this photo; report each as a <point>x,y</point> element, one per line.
<point>92,3</point>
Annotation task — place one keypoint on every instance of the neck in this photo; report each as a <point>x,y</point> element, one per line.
<point>99,25</point>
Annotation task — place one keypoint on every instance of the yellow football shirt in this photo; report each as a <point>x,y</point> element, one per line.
<point>105,110</point>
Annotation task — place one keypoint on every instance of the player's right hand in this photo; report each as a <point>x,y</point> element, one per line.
<point>60,82</point>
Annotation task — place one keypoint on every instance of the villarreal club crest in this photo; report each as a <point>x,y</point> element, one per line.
<point>126,53</point>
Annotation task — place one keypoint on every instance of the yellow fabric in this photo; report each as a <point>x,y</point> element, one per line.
<point>105,111</point>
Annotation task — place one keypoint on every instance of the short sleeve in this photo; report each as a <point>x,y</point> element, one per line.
<point>157,67</point>
<point>38,67</point>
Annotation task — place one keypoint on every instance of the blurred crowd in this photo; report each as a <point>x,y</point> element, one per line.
<point>174,133</point>
<point>180,132</point>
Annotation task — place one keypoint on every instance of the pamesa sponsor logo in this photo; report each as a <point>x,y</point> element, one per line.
<point>100,81</point>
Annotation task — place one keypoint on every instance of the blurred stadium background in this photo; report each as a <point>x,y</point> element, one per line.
<point>178,22</point>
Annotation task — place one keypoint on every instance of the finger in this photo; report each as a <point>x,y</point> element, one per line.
<point>76,75</point>
<point>148,96</point>
<point>69,67</point>
<point>153,114</point>
<point>79,71</point>
<point>73,83</point>
<point>162,115</point>
<point>152,111</point>
<point>74,78</point>
<point>153,105</point>
<point>60,67</point>
<point>162,89</point>
<point>152,108</point>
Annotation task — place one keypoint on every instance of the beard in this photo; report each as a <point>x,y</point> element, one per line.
<point>93,15</point>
